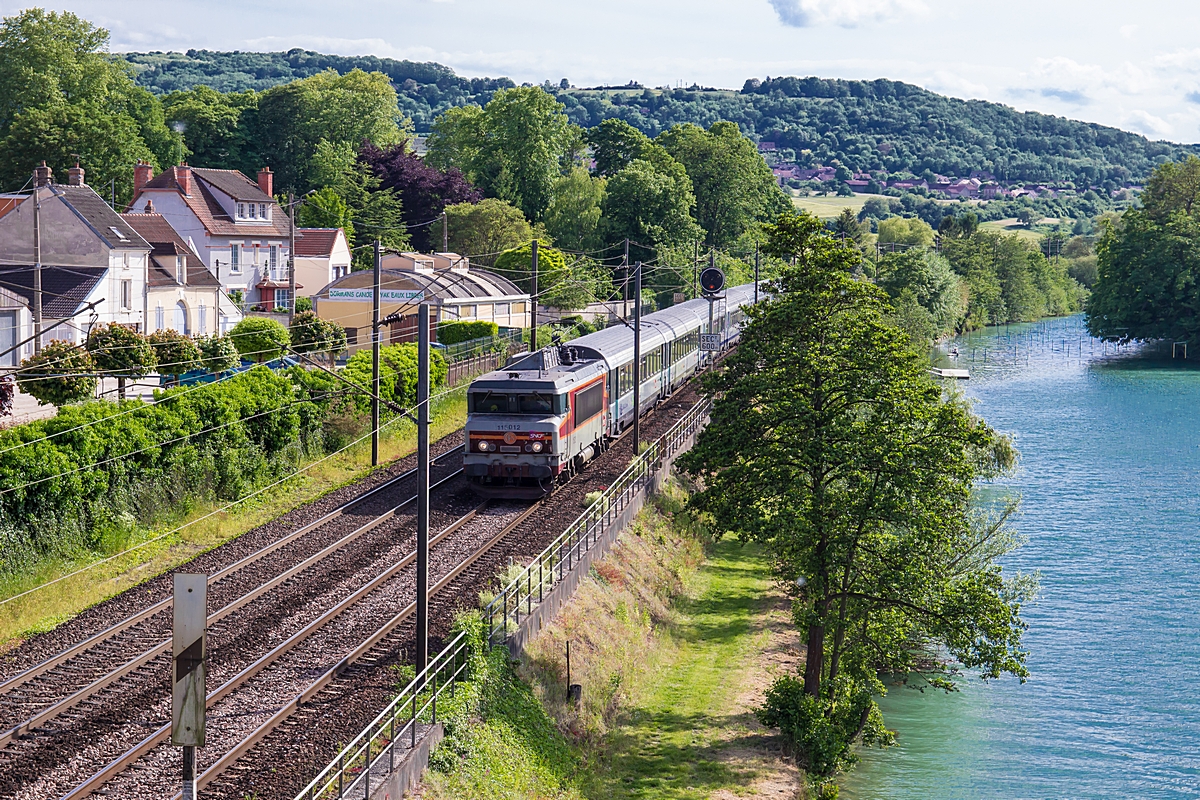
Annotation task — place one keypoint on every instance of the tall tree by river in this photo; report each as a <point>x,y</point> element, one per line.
<point>830,444</point>
<point>1148,263</point>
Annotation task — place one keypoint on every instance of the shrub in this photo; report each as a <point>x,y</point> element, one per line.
<point>260,338</point>
<point>61,374</point>
<point>822,731</point>
<point>176,352</point>
<point>217,353</point>
<point>397,373</point>
<point>303,304</point>
<point>465,331</point>
<point>311,334</point>
<point>215,441</point>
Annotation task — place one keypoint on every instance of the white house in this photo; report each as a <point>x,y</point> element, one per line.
<point>89,254</point>
<point>233,223</point>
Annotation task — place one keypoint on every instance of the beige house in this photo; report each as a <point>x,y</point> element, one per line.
<point>181,293</point>
<point>445,281</point>
<point>322,256</point>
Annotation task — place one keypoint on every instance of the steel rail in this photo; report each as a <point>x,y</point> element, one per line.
<point>150,742</point>
<point>162,605</point>
<point>147,656</point>
<point>333,673</point>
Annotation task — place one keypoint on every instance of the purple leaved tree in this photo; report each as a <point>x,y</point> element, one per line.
<point>424,191</point>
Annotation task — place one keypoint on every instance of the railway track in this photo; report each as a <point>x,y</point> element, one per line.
<point>253,698</point>
<point>370,621</point>
<point>49,702</point>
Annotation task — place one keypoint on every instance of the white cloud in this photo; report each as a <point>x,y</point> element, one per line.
<point>1146,123</point>
<point>846,13</point>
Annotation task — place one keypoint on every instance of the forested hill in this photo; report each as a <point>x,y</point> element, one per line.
<point>866,125</point>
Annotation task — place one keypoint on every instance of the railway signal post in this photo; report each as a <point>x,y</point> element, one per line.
<point>712,281</point>
<point>188,695</point>
<point>423,487</point>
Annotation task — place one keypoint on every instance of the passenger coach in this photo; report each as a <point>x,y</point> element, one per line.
<point>544,415</point>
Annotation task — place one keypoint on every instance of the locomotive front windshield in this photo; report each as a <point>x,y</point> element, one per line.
<point>528,403</point>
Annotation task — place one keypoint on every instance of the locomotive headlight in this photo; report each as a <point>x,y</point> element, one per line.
<point>537,447</point>
<point>483,445</point>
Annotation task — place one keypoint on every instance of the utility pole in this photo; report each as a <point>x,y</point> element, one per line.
<point>533,298</point>
<point>756,273</point>
<point>445,234</point>
<point>375,359</point>
<point>292,259</point>
<point>696,271</point>
<point>637,359</point>
<point>625,283</point>
<point>37,261</point>
<point>423,487</point>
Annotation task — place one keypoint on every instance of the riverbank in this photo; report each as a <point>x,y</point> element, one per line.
<point>177,538</point>
<point>674,639</point>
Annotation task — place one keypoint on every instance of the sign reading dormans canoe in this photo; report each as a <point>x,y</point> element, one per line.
<point>385,295</point>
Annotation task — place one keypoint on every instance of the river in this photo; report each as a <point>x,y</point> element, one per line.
<point>1110,446</point>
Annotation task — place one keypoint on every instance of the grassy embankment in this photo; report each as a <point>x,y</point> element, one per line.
<point>673,648</point>
<point>204,530</point>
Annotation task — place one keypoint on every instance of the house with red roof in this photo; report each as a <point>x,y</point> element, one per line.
<point>233,223</point>
<point>322,256</point>
<point>182,294</point>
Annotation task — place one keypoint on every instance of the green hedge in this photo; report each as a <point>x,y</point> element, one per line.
<point>455,332</point>
<point>397,373</point>
<point>218,441</point>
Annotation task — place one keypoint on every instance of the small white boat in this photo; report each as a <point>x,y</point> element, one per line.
<point>957,374</point>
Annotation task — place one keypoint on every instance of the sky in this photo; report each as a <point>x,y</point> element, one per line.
<point>1131,65</point>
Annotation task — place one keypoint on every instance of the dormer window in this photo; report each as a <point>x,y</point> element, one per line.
<point>262,210</point>
<point>180,270</point>
<point>241,210</point>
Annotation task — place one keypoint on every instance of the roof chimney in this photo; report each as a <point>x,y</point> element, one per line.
<point>266,181</point>
<point>43,176</point>
<point>183,176</point>
<point>142,173</point>
<point>75,175</point>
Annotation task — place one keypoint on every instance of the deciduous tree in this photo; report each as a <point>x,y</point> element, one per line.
<point>122,352</point>
<point>483,230</point>
<point>61,374</point>
<point>830,444</point>
<point>62,96</point>
<point>424,191</point>
<point>512,149</point>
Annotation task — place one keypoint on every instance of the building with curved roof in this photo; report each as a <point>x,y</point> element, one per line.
<point>445,281</point>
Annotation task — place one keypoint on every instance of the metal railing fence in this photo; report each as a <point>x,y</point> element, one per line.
<point>374,751</point>
<point>552,565</point>
<point>486,344</point>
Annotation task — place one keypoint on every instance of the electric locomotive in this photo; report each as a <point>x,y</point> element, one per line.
<point>538,420</point>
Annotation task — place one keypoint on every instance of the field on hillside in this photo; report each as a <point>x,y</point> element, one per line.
<point>1015,228</point>
<point>830,207</point>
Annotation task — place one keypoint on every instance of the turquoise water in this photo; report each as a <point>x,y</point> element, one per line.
<point>1110,451</point>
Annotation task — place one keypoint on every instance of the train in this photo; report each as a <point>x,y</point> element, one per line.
<point>534,423</point>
